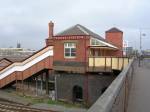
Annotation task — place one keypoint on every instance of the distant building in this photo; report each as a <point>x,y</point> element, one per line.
<point>129,51</point>
<point>18,45</point>
<point>125,46</point>
<point>146,53</point>
<point>15,54</point>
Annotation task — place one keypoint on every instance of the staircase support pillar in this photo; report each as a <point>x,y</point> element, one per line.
<point>47,80</point>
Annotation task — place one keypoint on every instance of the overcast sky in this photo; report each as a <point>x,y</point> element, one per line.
<point>26,21</point>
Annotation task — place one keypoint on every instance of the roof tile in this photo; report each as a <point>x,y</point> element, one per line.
<point>79,30</point>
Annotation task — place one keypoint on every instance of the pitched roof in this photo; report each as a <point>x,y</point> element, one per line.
<point>14,54</point>
<point>5,59</point>
<point>79,30</point>
<point>113,30</point>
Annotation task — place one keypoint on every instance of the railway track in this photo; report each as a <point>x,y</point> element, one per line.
<point>14,107</point>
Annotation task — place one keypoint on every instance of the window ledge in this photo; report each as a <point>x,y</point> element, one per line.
<point>69,57</point>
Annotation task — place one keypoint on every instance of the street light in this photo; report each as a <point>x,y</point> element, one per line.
<point>141,35</point>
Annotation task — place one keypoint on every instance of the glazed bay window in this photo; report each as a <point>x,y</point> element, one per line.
<point>70,50</point>
<point>95,42</point>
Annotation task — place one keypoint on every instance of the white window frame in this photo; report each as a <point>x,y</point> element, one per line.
<point>69,45</point>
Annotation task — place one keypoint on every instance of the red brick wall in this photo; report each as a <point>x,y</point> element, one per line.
<point>116,38</point>
<point>81,49</point>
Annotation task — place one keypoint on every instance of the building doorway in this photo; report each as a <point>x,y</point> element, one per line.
<point>77,94</point>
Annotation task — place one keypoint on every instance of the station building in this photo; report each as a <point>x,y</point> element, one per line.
<point>76,65</point>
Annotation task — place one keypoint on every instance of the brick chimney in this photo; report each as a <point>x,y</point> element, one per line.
<point>49,40</point>
<point>115,37</point>
<point>51,29</point>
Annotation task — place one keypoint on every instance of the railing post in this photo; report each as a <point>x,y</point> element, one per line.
<point>105,64</point>
<point>16,83</point>
<point>111,63</point>
<point>36,84</point>
<point>47,80</point>
<point>41,83</point>
<point>22,84</point>
<point>123,63</point>
<point>118,63</point>
<point>93,63</point>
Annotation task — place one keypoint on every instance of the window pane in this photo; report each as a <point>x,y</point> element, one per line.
<point>67,54</point>
<point>73,50</point>
<point>67,50</point>
<point>93,42</point>
<point>71,44</point>
<point>65,44</point>
<point>73,54</point>
<point>97,42</point>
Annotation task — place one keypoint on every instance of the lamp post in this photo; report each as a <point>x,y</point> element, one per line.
<point>140,41</point>
<point>141,35</point>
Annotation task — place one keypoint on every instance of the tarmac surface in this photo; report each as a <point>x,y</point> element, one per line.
<point>139,99</point>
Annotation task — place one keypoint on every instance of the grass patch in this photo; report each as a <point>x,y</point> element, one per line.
<point>36,100</point>
<point>65,104</point>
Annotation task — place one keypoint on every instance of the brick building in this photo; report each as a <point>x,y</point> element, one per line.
<point>76,65</point>
<point>75,80</point>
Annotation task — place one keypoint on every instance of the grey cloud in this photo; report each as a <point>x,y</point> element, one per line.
<point>26,21</point>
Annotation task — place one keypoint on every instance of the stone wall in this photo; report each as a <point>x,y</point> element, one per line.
<point>92,85</point>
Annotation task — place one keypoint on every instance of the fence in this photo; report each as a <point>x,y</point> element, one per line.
<point>115,98</point>
<point>107,63</point>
